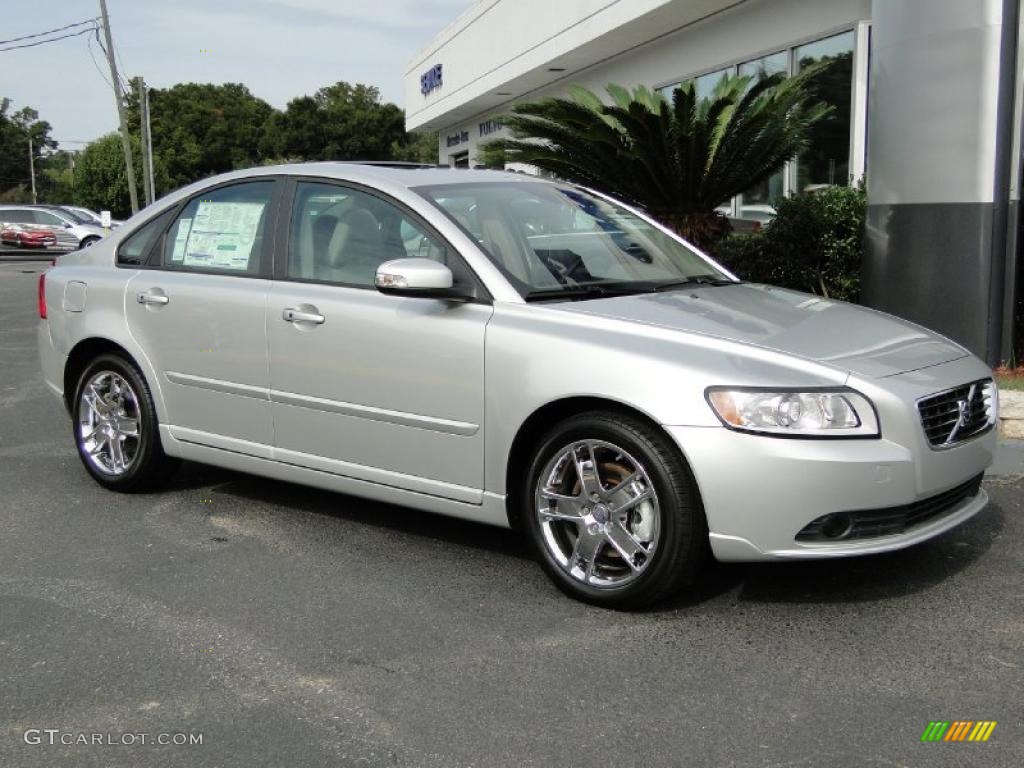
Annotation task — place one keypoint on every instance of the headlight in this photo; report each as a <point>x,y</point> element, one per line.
<point>792,413</point>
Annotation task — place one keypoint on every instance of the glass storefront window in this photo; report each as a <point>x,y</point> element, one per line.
<point>704,85</point>
<point>757,202</point>
<point>766,65</point>
<point>827,159</point>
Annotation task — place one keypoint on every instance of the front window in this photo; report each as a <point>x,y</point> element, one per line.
<point>48,219</point>
<point>342,235</point>
<point>76,215</point>
<point>551,240</point>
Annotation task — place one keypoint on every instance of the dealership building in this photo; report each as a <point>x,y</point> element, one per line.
<point>927,104</point>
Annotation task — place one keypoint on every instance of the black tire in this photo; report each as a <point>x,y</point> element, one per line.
<point>683,543</point>
<point>87,241</point>
<point>150,466</point>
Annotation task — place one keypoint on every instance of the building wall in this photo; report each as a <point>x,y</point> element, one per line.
<point>738,33</point>
<point>944,118</point>
<point>497,40</point>
<point>933,215</point>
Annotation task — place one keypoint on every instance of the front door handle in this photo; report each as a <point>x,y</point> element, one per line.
<point>292,315</point>
<point>150,297</point>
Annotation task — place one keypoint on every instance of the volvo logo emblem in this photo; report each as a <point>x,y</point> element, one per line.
<point>964,406</point>
<point>964,413</point>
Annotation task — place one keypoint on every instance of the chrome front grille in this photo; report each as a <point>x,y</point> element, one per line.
<point>950,417</point>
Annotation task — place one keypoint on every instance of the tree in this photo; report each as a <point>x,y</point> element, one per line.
<point>15,130</point>
<point>339,122</point>
<point>416,148</point>
<point>100,178</point>
<point>679,160</point>
<point>201,129</point>
<point>55,177</point>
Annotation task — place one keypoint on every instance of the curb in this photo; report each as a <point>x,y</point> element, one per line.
<point>1011,414</point>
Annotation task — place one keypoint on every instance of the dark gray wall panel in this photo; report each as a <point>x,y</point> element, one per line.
<point>930,263</point>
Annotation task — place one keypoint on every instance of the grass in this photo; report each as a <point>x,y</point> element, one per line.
<point>1010,378</point>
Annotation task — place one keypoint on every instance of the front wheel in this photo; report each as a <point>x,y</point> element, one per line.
<point>115,426</point>
<point>613,512</point>
<point>88,241</point>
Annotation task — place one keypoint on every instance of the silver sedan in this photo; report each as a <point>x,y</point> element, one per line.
<point>511,351</point>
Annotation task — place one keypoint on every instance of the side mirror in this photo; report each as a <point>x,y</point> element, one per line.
<point>68,225</point>
<point>423,278</point>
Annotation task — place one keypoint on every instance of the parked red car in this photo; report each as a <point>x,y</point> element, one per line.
<point>27,238</point>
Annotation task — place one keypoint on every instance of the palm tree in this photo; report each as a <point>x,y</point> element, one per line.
<point>678,160</point>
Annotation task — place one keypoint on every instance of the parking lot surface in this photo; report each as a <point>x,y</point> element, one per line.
<point>293,627</point>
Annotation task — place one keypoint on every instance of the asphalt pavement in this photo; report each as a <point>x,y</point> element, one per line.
<point>292,627</point>
<point>9,254</point>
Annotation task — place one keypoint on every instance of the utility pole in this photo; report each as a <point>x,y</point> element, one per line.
<point>149,151</point>
<point>125,142</point>
<point>32,168</point>
<point>147,155</point>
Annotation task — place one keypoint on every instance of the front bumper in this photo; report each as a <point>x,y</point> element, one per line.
<point>759,492</point>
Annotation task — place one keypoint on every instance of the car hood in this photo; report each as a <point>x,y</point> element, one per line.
<point>845,336</point>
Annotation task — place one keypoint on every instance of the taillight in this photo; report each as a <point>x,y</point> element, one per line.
<point>42,295</point>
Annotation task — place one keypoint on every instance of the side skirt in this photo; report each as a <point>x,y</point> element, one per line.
<point>491,511</point>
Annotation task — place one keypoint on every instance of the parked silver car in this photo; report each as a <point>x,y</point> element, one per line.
<point>72,232</point>
<point>89,215</point>
<point>512,351</point>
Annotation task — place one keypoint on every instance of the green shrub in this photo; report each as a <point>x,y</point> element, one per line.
<point>813,244</point>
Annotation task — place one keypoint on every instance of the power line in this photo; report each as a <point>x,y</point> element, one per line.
<point>48,32</point>
<point>124,86</point>
<point>123,68</point>
<point>88,43</point>
<point>44,42</point>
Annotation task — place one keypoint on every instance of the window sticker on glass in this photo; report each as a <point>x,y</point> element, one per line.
<point>181,239</point>
<point>222,235</point>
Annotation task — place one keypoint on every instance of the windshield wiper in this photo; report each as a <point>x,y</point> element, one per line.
<point>695,280</point>
<point>591,291</point>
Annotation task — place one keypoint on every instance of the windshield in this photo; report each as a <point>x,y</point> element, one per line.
<point>553,241</point>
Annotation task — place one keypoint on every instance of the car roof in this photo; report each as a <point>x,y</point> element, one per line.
<point>406,175</point>
<point>40,206</point>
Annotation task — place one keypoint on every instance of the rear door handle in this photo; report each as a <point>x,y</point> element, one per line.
<point>149,297</point>
<point>293,315</point>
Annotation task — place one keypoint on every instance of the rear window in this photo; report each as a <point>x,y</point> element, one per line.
<point>137,247</point>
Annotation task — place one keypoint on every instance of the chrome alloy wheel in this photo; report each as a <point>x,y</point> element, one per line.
<point>109,423</point>
<point>598,513</point>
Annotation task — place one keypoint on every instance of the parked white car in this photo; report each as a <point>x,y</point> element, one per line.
<point>511,351</point>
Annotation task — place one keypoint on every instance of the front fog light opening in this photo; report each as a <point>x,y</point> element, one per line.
<point>837,526</point>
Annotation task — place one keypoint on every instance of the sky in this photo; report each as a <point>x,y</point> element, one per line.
<point>279,49</point>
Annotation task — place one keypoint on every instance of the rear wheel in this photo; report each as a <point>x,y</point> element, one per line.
<point>115,426</point>
<point>613,511</point>
<point>88,241</point>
